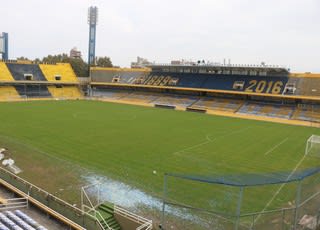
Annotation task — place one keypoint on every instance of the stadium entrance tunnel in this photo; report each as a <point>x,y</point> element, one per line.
<point>277,200</point>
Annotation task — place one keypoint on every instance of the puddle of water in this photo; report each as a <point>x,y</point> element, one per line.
<point>122,194</point>
<point>131,198</point>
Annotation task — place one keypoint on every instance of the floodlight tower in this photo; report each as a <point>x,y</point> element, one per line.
<point>4,46</point>
<point>92,21</point>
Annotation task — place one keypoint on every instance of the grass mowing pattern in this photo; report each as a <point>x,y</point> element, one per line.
<point>128,142</point>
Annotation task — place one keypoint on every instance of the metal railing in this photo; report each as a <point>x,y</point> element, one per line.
<point>37,194</point>
<point>32,186</point>
<point>194,64</point>
<point>146,226</point>
<point>13,203</point>
<point>145,223</point>
<point>96,215</point>
<point>92,208</point>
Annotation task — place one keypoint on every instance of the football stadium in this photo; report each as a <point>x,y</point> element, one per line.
<point>181,145</point>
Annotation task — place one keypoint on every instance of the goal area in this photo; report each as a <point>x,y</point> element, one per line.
<point>313,146</point>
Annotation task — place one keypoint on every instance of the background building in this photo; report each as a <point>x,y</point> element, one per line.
<point>75,53</point>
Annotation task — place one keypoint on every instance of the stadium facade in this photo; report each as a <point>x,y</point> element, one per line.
<point>256,91</point>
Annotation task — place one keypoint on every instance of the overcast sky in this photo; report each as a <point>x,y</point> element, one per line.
<point>284,32</point>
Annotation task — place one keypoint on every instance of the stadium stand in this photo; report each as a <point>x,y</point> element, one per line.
<point>309,86</point>
<point>27,80</point>
<point>262,91</point>
<point>253,84</point>
<point>19,220</point>
<point>33,91</point>
<point>265,92</point>
<point>5,74</point>
<point>143,97</point>
<point>220,104</point>
<point>307,113</point>
<point>117,75</point>
<point>250,84</point>
<point>59,72</point>
<point>58,91</point>
<point>189,81</point>
<point>176,100</point>
<point>108,93</point>
<point>6,91</point>
<point>268,110</point>
<point>9,223</point>
<point>291,87</point>
<point>23,220</point>
<point>26,72</point>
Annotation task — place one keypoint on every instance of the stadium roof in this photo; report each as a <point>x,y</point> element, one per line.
<point>216,67</point>
<point>245,180</point>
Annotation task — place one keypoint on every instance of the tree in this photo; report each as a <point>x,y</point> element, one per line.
<point>103,62</point>
<point>23,59</point>
<point>79,66</point>
<point>56,58</point>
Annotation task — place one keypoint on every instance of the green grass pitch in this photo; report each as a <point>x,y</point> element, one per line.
<point>128,142</point>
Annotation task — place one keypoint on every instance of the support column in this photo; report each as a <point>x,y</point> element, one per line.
<point>239,208</point>
<point>92,21</point>
<point>164,201</point>
<point>298,198</point>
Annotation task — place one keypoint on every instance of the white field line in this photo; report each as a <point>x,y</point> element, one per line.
<point>280,188</point>
<point>276,146</point>
<point>194,146</point>
<point>209,140</point>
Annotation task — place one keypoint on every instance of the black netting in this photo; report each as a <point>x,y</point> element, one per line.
<point>243,180</point>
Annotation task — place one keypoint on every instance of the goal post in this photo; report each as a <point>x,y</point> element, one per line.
<point>313,146</point>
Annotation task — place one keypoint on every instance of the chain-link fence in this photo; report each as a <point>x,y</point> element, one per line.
<point>282,200</point>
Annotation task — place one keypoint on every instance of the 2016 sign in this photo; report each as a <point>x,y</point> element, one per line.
<point>264,87</point>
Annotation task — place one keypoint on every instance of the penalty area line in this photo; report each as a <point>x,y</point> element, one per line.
<point>280,188</point>
<point>276,146</point>
<point>209,140</point>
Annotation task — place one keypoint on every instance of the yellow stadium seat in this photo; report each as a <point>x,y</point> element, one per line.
<point>65,91</point>
<point>62,70</point>
<point>5,74</point>
<point>8,93</point>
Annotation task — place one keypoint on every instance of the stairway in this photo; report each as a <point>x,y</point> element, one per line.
<point>107,212</point>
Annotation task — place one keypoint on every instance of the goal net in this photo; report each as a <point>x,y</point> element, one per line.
<point>313,146</point>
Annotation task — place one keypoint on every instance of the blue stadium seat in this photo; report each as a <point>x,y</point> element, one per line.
<point>18,71</point>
